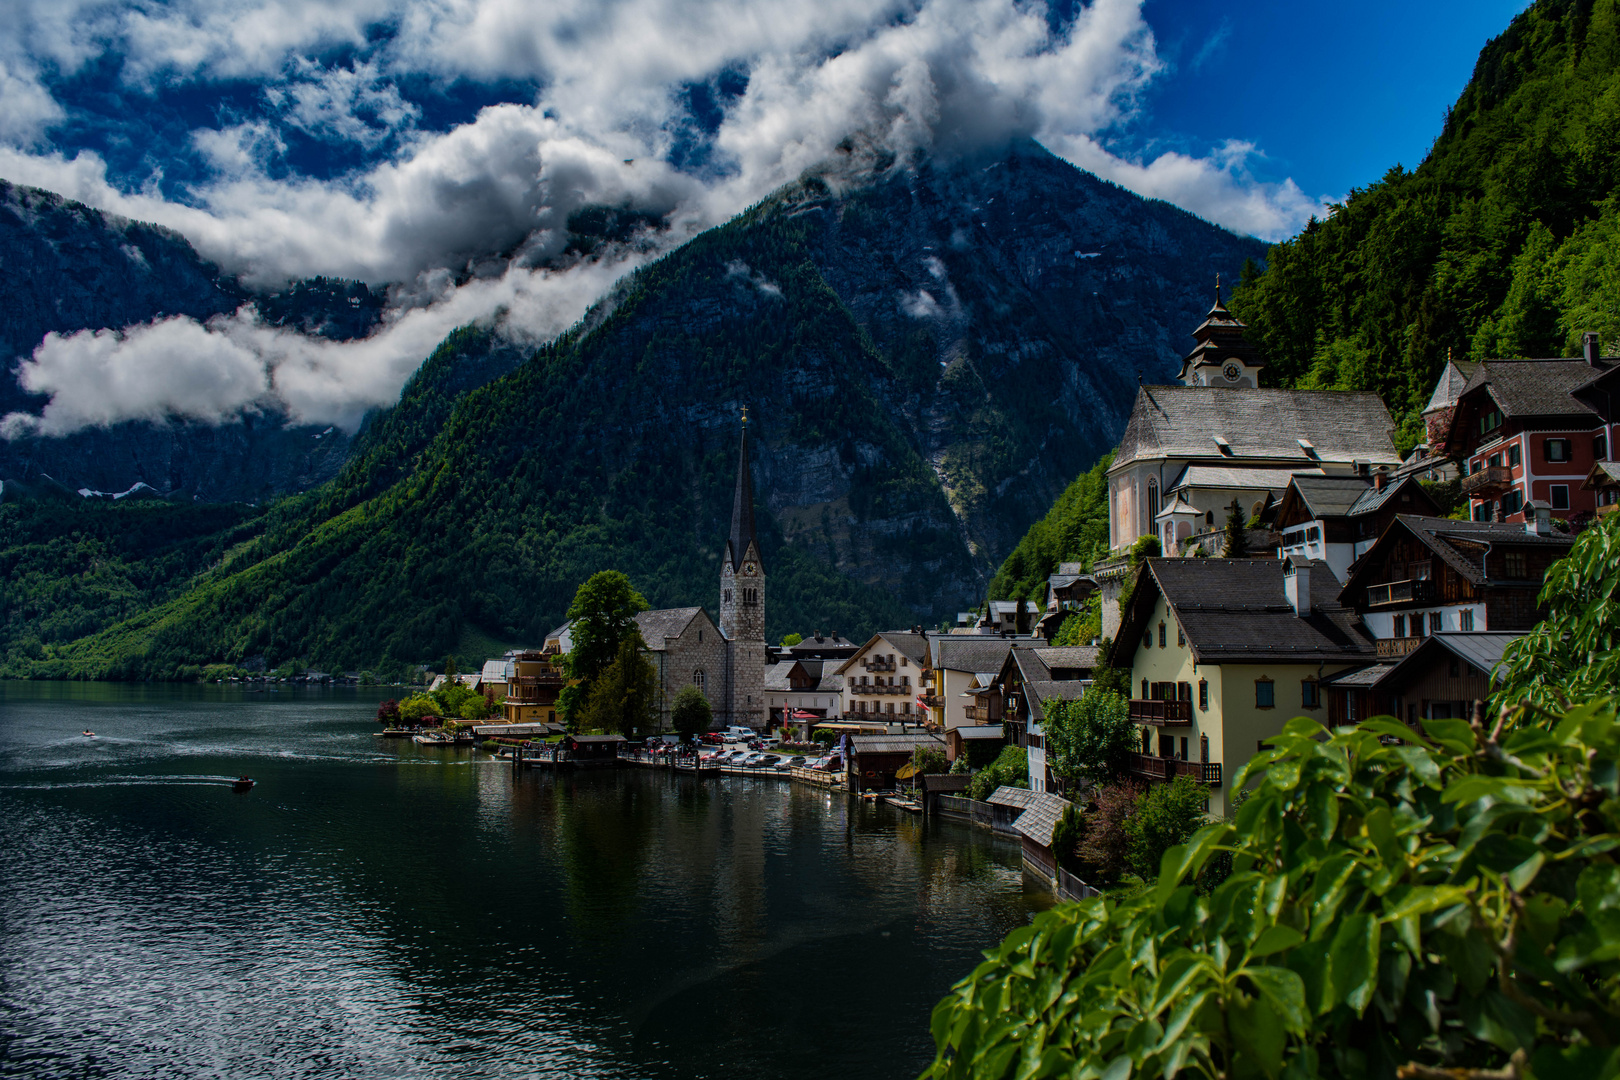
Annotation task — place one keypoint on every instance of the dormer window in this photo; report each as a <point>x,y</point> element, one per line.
<point>1310,451</point>
<point>1225,447</point>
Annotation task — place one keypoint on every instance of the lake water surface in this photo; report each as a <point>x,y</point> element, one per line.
<point>378,909</point>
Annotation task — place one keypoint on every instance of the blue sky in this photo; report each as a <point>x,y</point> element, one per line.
<point>439,148</point>
<point>1332,94</point>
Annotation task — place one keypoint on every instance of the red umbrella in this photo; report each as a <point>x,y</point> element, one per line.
<point>800,714</point>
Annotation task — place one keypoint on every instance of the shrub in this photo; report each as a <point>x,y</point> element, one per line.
<point>824,737</point>
<point>1104,849</point>
<point>928,759</point>
<point>1165,815</point>
<point>690,712</point>
<point>1438,905</point>
<point>1010,769</point>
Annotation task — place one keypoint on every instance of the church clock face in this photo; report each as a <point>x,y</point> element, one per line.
<point>748,568</point>
<point>1231,371</point>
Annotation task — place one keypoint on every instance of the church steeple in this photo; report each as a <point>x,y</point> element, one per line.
<point>742,508</point>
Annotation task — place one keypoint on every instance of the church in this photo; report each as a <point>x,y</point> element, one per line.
<point>726,662</point>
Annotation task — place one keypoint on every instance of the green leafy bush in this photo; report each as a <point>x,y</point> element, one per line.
<point>1397,902</point>
<point>1165,815</point>
<point>929,759</point>
<point>1010,769</point>
<point>690,713</point>
<point>1091,739</point>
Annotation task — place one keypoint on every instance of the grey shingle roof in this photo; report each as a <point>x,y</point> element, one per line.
<point>1536,387</point>
<point>1483,649</point>
<point>1031,666</point>
<point>655,626</point>
<point>979,731</point>
<point>1236,476</point>
<point>1330,496</point>
<point>892,744</point>
<point>1180,421</point>
<point>1452,382</point>
<point>1011,796</point>
<point>908,644</point>
<point>1042,816</point>
<point>1372,498</point>
<point>964,652</point>
<point>1059,690</point>
<point>1069,656</point>
<point>776,676</point>
<point>1234,610</point>
<point>1460,543</point>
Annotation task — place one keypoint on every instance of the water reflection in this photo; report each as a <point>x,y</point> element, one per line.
<point>375,908</point>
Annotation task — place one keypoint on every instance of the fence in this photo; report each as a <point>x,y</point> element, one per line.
<point>977,812</point>
<point>1070,887</point>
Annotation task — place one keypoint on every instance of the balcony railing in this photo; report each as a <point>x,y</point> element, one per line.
<point>1168,768</point>
<point>1149,711</point>
<point>1409,591</point>
<point>878,665</point>
<point>1489,481</point>
<point>1397,646</point>
<point>552,677</point>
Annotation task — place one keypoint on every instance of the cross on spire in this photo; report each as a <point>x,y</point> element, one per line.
<point>1217,288</point>
<point>745,415</point>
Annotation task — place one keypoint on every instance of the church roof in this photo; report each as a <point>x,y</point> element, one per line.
<point>742,509</point>
<point>655,626</point>
<point>1270,424</point>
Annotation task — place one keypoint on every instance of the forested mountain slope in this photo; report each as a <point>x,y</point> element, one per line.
<point>927,354</point>
<point>1505,241</point>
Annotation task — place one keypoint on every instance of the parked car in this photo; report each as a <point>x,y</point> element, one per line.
<point>790,763</point>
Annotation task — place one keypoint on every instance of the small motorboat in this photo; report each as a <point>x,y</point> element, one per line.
<point>242,783</point>
<point>88,734</point>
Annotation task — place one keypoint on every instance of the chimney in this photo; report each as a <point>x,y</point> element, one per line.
<point>1380,478</point>
<point>1297,584</point>
<point>1538,519</point>
<point>1589,348</point>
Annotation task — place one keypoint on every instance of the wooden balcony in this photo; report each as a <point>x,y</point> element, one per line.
<point>1168,768</point>
<point>1488,482</point>
<point>1159,713</point>
<point>1408,591</point>
<point>980,713</point>
<point>877,665</point>
<point>1397,646</point>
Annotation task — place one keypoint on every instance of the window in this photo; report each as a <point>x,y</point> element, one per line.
<point>1434,622</point>
<point>1203,694</point>
<point>1203,748</point>
<point>1515,565</point>
<point>1515,456</point>
<point>1557,449</point>
<point>1184,692</point>
<point>1399,626</point>
<point>1495,461</point>
<point>1209,518</point>
<point>1184,748</point>
<point>1145,693</point>
<point>1482,512</point>
<point>1147,640</point>
<point>728,596</point>
<point>1465,620</point>
<point>1416,625</point>
<point>1152,499</point>
<point>1181,637</point>
<point>1600,446</point>
<point>1310,694</point>
<point>698,679</point>
<point>902,661</point>
<point>1490,421</point>
<point>1161,635</point>
<point>1512,502</point>
<point>1265,694</point>
<point>1560,496</point>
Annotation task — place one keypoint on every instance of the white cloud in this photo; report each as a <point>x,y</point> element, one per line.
<point>488,201</point>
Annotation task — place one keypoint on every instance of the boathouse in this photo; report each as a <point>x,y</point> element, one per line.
<point>874,759</point>
<point>593,749</point>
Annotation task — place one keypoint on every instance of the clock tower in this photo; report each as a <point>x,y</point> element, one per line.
<point>1222,357</point>
<point>742,601</point>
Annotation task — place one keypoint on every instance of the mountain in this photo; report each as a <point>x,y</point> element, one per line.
<point>1503,242</point>
<point>928,353</point>
<point>67,267</point>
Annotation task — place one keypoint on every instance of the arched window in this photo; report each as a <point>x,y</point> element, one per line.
<point>1152,500</point>
<point>698,679</point>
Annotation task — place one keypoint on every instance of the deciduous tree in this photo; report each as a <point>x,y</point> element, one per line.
<point>690,712</point>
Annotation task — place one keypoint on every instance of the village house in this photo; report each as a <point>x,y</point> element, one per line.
<point>497,675</point>
<point>1531,430</point>
<point>1428,575</point>
<point>534,680</point>
<point>1190,450</point>
<point>798,691</point>
<point>886,678</point>
<point>959,660</point>
<point>1439,679</point>
<point>1337,519</point>
<point>1224,652</point>
<point>819,646</point>
<point>874,759</point>
<point>1030,678</point>
<point>1604,482</point>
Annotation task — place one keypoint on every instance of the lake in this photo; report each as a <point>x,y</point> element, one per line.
<point>378,909</point>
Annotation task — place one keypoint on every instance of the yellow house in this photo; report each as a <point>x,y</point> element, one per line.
<point>1223,652</point>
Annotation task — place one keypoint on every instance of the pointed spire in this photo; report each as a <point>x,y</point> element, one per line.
<point>742,505</point>
<point>1217,288</point>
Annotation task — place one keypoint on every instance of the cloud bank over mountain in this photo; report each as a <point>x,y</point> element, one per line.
<point>443,147</point>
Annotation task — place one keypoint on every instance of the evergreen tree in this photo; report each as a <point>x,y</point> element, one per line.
<point>1237,541</point>
<point>623,697</point>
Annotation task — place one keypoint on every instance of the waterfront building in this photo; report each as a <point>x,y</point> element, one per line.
<point>1224,652</point>
<point>1337,519</point>
<point>887,678</point>
<point>958,661</point>
<point>799,691</point>
<point>532,688</point>
<point>1440,678</point>
<point>874,759</point>
<point>1530,430</point>
<point>1029,679</point>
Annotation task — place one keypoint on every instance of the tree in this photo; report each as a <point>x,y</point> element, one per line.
<point>823,736</point>
<point>450,670</point>
<point>1165,815</point>
<point>1442,905</point>
<point>1091,739</point>
<point>1104,850</point>
<point>1573,655</point>
<point>623,697</point>
<point>792,640</point>
<point>416,708</point>
<point>1067,835</point>
<point>603,613</point>
<point>475,708</point>
<point>690,712</point>
<point>1237,540</point>
<point>928,759</point>
<point>388,713</point>
<point>1010,769</point>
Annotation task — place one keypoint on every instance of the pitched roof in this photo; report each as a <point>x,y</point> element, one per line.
<point>1240,477</point>
<point>1329,496</point>
<point>1449,387</point>
<point>1011,796</point>
<point>742,508</point>
<point>1525,388</point>
<point>1042,691</point>
<point>1601,469</point>
<point>598,738</point>
<point>655,626</point>
<point>892,744</point>
<point>978,731</point>
<point>1234,610</point>
<point>776,676</point>
<point>1069,656</point>
<point>1182,421</point>
<point>1408,485</point>
<point>1482,649</point>
<point>1462,544</point>
<point>970,653</point>
<point>1042,816</point>
<point>497,670</point>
